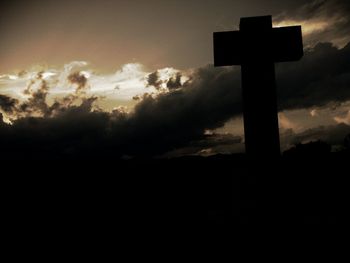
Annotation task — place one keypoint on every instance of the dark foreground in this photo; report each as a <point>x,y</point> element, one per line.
<point>188,193</point>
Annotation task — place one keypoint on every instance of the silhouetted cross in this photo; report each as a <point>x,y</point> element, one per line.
<point>256,47</point>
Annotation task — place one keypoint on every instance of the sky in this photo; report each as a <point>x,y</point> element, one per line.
<point>138,76</point>
<point>111,33</point>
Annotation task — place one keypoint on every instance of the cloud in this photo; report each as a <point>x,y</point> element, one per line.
<point>322,21</point>
<point>166,78</point>
<point>322,76</point>
<point>118,88</point>
<point>36,104</point>
<point>79,79</point>
<point>332,134</point>
<point>174,82</point>
<point>174,119</point>
<point>343,119</point>
<point>37,101</point>
<point>211,144</point>
<point>153,80</point>
<point>64,135</point>
<point>314,113</point>
<point>285,122</point>
<point>7,104</point>
<point>156,125</point>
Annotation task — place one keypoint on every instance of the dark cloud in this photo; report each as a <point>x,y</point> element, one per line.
<point>68,133</point>
<point>36,103</point>
<point>174,82</point>
<point>158,124</point>
<point>210,144</point>
<point>7,104</point>
<point>170,120</point>
<point>321,77</point>
<point>335,135</point>
<point>318,8</point>
<point>78,79</point>
<point>137,97</point>
<point>153,80</point>
<point>333,14</point>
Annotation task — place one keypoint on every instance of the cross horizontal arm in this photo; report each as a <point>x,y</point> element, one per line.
<point>277,45</point>
<point>227,47</point>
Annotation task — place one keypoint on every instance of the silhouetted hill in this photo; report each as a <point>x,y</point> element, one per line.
<point>216,192</point>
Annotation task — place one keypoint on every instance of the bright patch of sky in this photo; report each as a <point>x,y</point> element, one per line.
<point>117,88</point>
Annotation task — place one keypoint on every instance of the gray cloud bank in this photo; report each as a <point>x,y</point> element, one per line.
<point>170,120</point>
